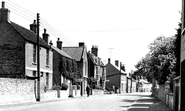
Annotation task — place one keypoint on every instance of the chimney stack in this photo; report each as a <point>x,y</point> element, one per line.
<point>33,27</point>
<point>117,63</point>
<point>45,36</point>
<point>109,60</point>
<point>59,44</point>
<point>94,50</point>
<point>3,4</point>
<point>50,43</point>
<point>81,44</point>
<point>4,13</point>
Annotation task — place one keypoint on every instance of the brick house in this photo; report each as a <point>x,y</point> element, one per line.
<point>96,68</point>
<point>116,78</point>
<point>58,53</point>
<point>18,47</point>
<point>80,55</point>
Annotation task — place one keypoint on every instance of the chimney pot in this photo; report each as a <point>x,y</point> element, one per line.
<point>4,13</point>
<point>94,50</point>
<point>59,44</point>
<point>108,60</point>
<point>3,4</point>
<point>117,63</point>
<point>44,30</point>
<point>51,43</point>
<point>81,44</point>
<point>45,36</point>
<point>33,26</point>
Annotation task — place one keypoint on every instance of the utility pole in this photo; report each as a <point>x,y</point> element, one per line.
<point>120,84</point>
<point>110,51</point>
<point>38,58</point>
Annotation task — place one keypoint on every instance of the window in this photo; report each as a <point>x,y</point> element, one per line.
<point>47,57</point>
<point>34,53</point>
<point>34,74</point>
<point>47,79</point>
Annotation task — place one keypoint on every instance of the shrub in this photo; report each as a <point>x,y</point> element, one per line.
<point>56,87</point>
<point>64,86</point>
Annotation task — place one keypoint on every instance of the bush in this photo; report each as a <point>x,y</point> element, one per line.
<point>56,87</point>
<point>64,86</point>
<point>98,87</point>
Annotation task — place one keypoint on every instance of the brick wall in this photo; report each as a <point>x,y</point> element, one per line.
<point>12,51</point>
<point>56,72</point>
<point>113,81</point>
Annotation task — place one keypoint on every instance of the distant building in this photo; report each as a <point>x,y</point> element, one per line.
<point>116,78</point>
<point>58,55</point>
<point>96,68</point>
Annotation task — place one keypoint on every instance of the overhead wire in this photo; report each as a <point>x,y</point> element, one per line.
<point>28,15</point>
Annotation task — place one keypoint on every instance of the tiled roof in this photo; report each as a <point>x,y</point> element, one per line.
<point>112,70</point>
<point>96,60</point>
<point>75,52</point>
<point>28,35</point>
<point>61,52</point>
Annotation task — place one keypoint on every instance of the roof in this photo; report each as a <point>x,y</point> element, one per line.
<point>61,52</point>
<point>113,70</point>
<point>28,35</point>
<point>75,52</point>
<point>96,60</point>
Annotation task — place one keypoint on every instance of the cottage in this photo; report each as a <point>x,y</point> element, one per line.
<point>116,78</point>
<point>18,47</point>
<point>61,61</point>
<point>96,68</point>
<point>80,55</point>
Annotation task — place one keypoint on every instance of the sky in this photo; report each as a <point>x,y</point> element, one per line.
<point>122,29</point>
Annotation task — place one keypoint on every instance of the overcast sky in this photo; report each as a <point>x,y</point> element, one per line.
<point>125,26</point>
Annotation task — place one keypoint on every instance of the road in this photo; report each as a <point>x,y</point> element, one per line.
<point>114,102</point>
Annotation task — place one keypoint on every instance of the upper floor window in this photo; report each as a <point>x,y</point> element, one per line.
<point>34,54</point>
<point>47,57</point>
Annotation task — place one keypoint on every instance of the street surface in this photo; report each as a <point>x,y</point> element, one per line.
<point>113,102</point>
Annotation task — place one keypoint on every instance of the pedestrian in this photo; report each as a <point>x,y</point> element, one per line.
<point>87,90</point>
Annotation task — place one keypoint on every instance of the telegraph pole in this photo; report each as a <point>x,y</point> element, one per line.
<point>38,58</point>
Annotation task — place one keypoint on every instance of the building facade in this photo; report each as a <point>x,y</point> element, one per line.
<point>116,78</point>
<point>96,68</point>
<point>80,55</point>
<point>19,47</point>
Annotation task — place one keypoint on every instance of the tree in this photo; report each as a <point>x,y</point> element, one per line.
<point>177,49</point>
<point>160,62</point>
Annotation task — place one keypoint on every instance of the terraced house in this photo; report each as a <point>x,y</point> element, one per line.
<point>96,69</point>
<point>79,54</point>
<point>18,47</point>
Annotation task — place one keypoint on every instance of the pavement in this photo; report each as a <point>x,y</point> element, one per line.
<point>148,103</point>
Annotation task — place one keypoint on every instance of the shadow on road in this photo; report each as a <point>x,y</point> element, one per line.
<point>128,100</point>
<point>148,104</point>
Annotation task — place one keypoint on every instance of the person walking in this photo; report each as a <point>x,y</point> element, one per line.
<point>87,90</point>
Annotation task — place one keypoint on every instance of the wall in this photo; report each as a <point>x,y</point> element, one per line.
<point>12,51</point>
<point>133,86</point>
<point>113,81</point>
<point>123,83</point>
<point>161,92</point>
<point>16,90</point>
<point>56,72</point>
